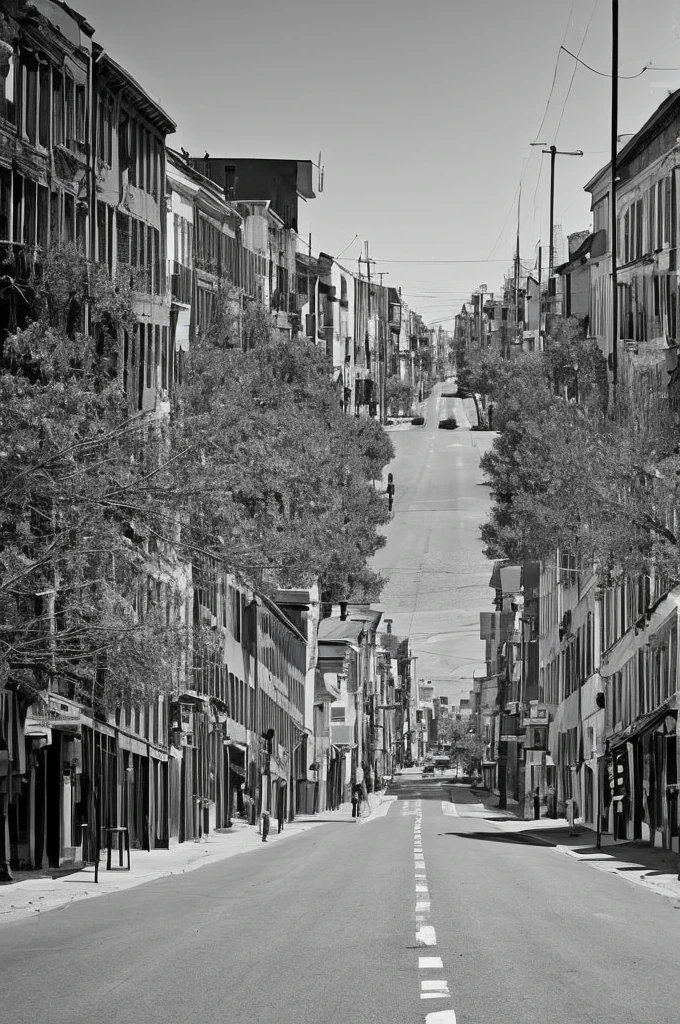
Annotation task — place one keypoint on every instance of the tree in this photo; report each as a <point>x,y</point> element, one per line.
<point>282,490</point>
<point>571,475</point>
<point>399,395</point>
<point>466,747</point>
<point>73,587</point>
<point>103,511</point>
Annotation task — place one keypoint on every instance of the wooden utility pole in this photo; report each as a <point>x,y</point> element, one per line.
<point>612,197</point>
<point>540,293</point>
<point>519,202</point>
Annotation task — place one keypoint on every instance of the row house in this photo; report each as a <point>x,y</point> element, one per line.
<point>269,192</point>
<point>357,323</point>
<point>647,238</point>
<point>46,134</point>
<point>348,640</point>
<point>580,698</point>
<point>506,706</point>
<point>129,220</point>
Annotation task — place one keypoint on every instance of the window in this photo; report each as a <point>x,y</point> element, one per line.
<point>101,232</point>
<point>69,111</point>
<point>30,212</point>
<point>639,228</point>
<point>31,101</point>
<point>601,215</point>
<point>80,114</point>
<point>337,714</point>
<point>142,372</point>
<point>7,84</point>
<point>123,237</point>
<point>57,109</point>
<point>43,225</point>
<point>164,359</point>
<point>69,226</point>
<point>157,350</point>
<point>149,356</point>
<point>5,204</point>
<point>44,107</point>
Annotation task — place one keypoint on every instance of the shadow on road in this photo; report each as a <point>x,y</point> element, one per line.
<point>519,838</point>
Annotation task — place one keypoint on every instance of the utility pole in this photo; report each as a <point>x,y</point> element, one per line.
<point>554,152</point>
<point>519,202</point>
<point>312,306</point>
<point>378,339</point>
<point>612,198</point>
<point>540,293</point>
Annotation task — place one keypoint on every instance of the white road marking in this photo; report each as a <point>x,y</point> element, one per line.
<point>422,906</point>
<point>421,888</point>
<point>427,962</point>
<point>435,986</point>
<point>426,935</point>
<point>450,809</point>
<point>441,1017</point>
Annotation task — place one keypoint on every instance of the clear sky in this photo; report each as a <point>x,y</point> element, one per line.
<point>423,111</point>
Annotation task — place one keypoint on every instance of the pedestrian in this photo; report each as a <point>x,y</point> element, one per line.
<point>265,826</point>
<point>552,802</point>
<point>357,795</point>
<point>390,491</point>
<point>537,804</point>
<point>280,810</point>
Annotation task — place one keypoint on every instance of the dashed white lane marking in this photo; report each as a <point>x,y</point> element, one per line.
<point>441,1017</point>
<point>422,906</point>
<point>426,963</point>
<point>421,888</point>
<point>449,809</point>
<point>426,935</point>
<point>434,990</point>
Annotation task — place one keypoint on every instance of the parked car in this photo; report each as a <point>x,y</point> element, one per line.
<point>417,421</point>
<point>462,393</point>
<point>448,423</point>
<point>449,394</point>
<point>428,769</point>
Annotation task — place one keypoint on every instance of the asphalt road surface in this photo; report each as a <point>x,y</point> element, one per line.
<point>437,576</point>
<point>431,909</point>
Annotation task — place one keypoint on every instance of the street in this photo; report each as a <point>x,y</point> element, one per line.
<point>437,576</point>
<point>323,928</point>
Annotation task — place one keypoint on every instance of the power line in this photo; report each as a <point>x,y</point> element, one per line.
<point>573,74</point>
<point>607,74</point>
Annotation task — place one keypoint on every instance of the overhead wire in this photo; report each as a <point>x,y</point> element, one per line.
<point>578,61</point>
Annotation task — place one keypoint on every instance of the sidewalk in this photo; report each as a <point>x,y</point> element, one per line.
<point>635,861</point>
<point>39,894</point>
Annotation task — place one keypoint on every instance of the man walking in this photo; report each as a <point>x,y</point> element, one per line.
<point>357,795</point>
<point>390,491</point>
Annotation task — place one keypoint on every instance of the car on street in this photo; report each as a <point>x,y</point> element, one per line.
<point>448,423</point>
<point>428,769</point>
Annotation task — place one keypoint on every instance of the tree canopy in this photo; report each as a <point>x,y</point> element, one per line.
<point>103,509</point>
<point>597,482</point>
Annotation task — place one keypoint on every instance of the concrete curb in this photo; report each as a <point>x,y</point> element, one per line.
<point>379,804</point>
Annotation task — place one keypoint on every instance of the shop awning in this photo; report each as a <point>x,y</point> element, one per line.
<point>645,723</point>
